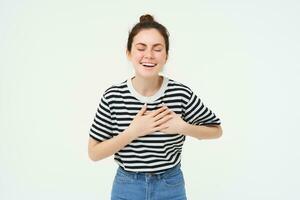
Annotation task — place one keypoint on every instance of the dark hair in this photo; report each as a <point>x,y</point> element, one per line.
<point>147,22</point>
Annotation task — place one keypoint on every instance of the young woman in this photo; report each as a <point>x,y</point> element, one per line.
<point>144,120</point>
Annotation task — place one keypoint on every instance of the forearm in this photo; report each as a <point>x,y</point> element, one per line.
<point>201,131</point>
<point>109,147</point>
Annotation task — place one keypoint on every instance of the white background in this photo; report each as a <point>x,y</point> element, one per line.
<point>240,57</point>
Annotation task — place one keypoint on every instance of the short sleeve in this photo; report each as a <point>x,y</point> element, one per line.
<point>101,128</point>
<point>197,113</point>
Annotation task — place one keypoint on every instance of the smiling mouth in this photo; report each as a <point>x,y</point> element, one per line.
<point>148,64</point>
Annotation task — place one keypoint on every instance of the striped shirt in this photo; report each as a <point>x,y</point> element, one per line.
<point>157,151</point>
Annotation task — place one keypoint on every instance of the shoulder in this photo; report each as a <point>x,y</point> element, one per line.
<point>174,85</point>
<point>115,89</point>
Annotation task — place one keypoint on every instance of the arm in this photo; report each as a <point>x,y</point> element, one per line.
<point>100,150</point>
<point>178,125</point>
<point>201,132</point>
<point>199,121</point>
<point>141,125</point>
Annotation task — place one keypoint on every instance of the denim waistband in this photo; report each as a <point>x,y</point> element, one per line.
<point>143,175</point>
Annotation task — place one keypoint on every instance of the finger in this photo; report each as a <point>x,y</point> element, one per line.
<point>142,110</point>
<point>163,120</point>
<point>146,113</point>
<point>156,112</point>
<point>160,128</point>
<point>162,114</point>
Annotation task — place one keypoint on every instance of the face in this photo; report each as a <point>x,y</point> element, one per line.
<point>148,53</point>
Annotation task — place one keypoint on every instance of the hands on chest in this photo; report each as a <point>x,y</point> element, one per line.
<point>162,119</point>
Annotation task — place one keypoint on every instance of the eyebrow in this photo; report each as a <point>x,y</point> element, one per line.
<point>157,44</point>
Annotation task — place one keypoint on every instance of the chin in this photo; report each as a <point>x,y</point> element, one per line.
<point>147,75</point>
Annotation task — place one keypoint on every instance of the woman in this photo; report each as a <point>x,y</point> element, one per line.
<point>144,120</point>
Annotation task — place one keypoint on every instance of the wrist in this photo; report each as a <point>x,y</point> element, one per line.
<point>184,126</point>
<point>130,133</point>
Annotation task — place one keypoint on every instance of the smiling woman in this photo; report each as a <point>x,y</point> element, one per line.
<point>144,120</point>
<point>148,51</point>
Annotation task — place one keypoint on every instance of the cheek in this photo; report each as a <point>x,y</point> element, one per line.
<point>162,57</point>
<point>138,56</point>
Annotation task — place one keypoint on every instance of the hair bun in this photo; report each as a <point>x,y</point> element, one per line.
<point>146,18</point>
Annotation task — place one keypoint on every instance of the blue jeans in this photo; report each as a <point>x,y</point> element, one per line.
<point>149,186</point>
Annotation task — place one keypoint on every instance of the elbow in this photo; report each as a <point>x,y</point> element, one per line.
<point>213,132</point>
<point>216,132</point>
<point>92,156</point>
<point>219,132</point>
<point>94,153</point>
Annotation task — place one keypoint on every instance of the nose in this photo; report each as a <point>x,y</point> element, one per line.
<point>148,54</point>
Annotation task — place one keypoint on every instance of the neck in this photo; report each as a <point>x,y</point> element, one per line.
<point>147,86</point>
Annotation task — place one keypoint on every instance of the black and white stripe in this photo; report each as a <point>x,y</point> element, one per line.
<point>158,151</point>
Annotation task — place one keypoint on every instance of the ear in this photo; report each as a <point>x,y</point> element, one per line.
<point>128,55</point>
<point>167,56</point>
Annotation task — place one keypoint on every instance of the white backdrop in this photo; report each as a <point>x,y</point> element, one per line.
<point>241,57</point>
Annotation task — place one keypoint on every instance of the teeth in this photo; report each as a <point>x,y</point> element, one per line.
<point>148,64</point>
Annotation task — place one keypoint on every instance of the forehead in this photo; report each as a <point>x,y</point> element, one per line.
<point>149,37</point>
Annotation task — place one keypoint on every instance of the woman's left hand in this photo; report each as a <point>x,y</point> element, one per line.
<point>175,125</point>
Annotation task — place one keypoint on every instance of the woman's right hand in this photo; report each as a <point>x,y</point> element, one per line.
<point>148,122</point>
